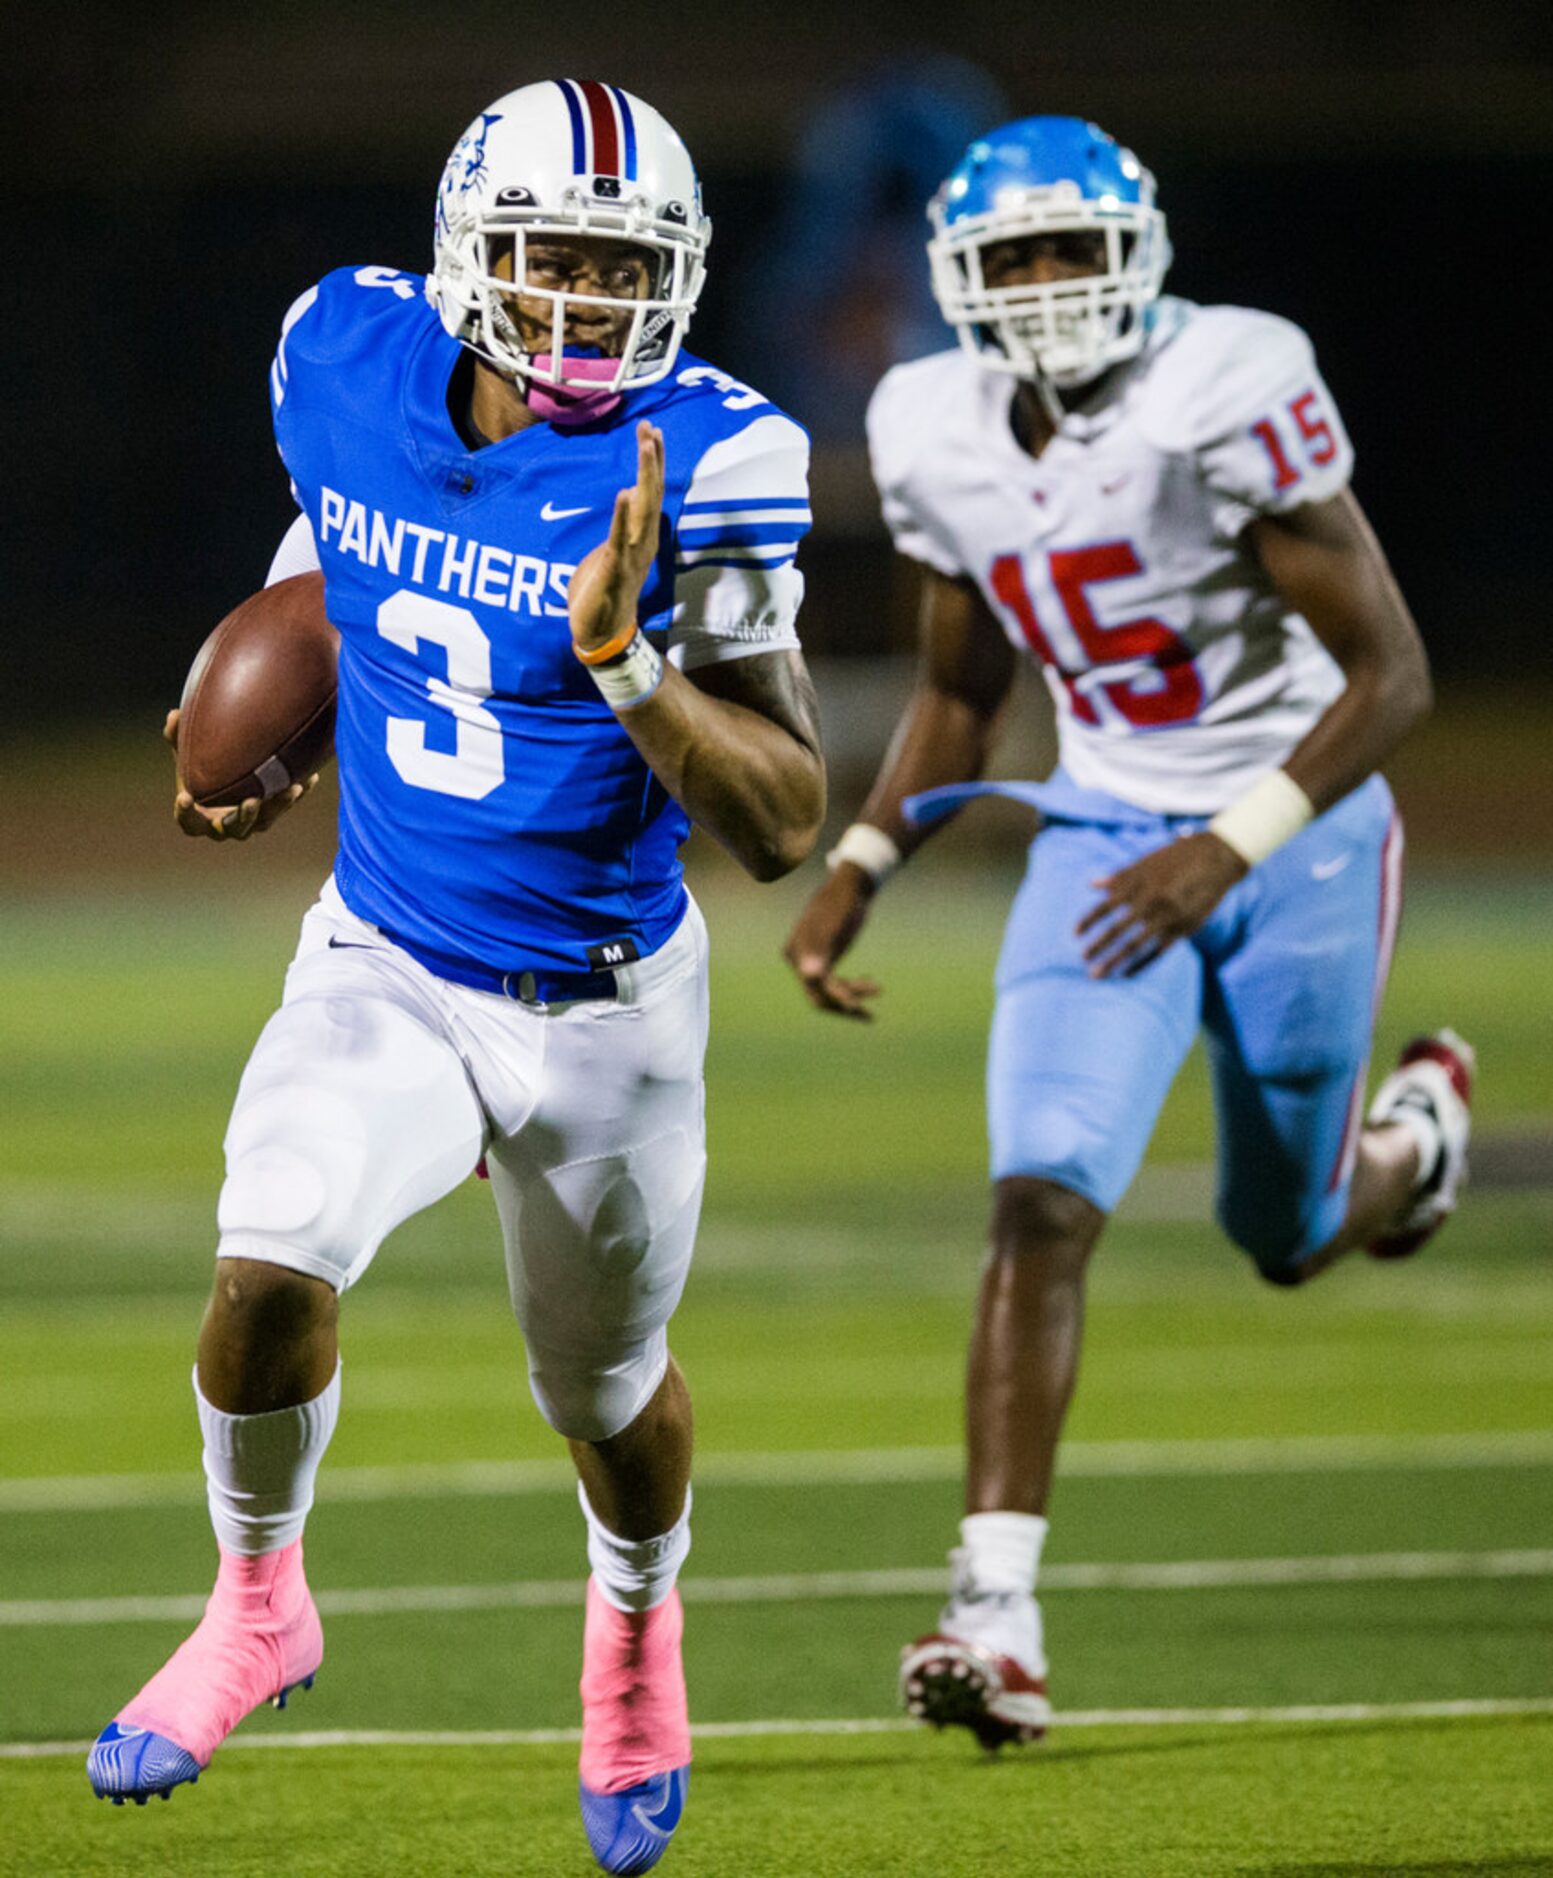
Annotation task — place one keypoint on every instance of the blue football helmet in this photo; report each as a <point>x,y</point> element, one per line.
<point>1038,176</point>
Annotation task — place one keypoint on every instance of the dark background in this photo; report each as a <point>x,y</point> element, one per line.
<point>173,176</point>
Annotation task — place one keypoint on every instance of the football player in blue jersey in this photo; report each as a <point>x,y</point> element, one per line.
<point>1150,500</point>
<point>561,557</point>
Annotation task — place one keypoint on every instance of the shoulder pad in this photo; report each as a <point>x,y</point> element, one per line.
<point>350,306</point>
<point>906,410</point>
<point>1218,373</point>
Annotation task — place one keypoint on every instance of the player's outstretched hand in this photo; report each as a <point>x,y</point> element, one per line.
<point>605,589</point>
<point>1161,898</point>
<point>228,824</point>
<point>826,927</point>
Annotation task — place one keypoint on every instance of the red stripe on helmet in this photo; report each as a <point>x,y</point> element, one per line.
<point>606,137</point>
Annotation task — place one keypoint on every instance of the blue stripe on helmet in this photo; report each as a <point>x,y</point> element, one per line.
<point>628,124</point>
<point>579,135</point>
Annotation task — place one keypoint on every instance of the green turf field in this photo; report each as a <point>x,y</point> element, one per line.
<point>1299,1591</point>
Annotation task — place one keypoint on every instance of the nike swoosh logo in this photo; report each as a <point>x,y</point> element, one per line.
<point>1110,489</point>
<point>1324,870</point>
<point>549,514</point>
<point>336,944</point>
<point>666,1818</point>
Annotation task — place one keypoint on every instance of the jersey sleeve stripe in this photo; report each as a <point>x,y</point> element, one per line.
<point>758,554</point>
<point>294,312</point>
<point>743,518</point>
<point>764,567</point>
<point>798,507</point>
<point>740,534</point>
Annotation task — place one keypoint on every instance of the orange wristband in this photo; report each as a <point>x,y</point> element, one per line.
<point>611,648</point>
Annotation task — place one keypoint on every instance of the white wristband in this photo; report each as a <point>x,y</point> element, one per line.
<point>633,677</point>
<point>869,848</point>
<point>1271,811</point>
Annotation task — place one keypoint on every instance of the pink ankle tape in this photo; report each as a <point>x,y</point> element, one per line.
<point>635,1721</point>
<point>260,1634</point>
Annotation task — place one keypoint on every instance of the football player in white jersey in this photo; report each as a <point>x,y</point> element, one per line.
<point>1151,499</point>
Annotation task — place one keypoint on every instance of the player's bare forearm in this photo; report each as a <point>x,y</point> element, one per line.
<point>1327,564</point>
<point>945,736</point>
<point>940,739</point>
<point>1326,561</point>
<point>951,723</point>
<point>738,747</point>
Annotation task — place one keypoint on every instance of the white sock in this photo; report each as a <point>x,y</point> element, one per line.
<point>998,1553</point>
<point>1423,1125</point>
<point>259,1469</point>
<point>635,1574</point>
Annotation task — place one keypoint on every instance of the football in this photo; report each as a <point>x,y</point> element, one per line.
<point>257,712</point>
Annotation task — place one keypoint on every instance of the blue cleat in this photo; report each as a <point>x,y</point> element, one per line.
<point>630,1831</point>
<point>133,1764</point>
<point>129,1763</point>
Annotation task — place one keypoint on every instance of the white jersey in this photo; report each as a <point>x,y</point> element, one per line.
<point>1117,558</point>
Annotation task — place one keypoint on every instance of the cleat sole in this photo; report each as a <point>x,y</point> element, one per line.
<point>961,1688</point>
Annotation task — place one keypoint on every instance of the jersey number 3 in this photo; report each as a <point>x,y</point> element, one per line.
<point>473,767</point>
<point>1166,691</point>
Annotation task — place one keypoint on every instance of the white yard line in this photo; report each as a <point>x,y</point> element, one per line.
<point>1466,1710</point>
<point>802,1587</point>
<point>95,1493</point>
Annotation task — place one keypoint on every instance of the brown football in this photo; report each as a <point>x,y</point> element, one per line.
<point>258,705</point>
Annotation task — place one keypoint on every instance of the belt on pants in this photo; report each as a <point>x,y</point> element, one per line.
<point>531,985</point>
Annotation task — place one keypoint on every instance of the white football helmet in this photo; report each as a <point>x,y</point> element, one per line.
<point>568,157</point>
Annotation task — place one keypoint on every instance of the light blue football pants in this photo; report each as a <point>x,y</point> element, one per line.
<point>1283,980</point>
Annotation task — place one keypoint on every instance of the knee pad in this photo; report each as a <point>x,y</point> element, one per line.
<point>295,1161</point>
<point>589,1395</point>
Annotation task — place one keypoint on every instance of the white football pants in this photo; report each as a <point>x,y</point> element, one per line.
<point>376,1087</point>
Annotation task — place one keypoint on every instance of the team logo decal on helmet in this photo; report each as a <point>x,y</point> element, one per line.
<point>568,158</point>
<point>1043,176</point>
<point>466,166</point>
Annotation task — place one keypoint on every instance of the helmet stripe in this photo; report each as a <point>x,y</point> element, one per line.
<point>606,139</point>
<point>628,124</point>
<point>579,138</point>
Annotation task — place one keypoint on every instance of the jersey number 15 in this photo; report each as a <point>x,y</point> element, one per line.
<point>1166,691</point>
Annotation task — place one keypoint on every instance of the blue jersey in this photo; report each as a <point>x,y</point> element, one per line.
<point>492,809</point>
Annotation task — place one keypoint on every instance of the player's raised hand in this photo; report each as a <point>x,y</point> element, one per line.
<point>228,824</point>
<point>826,927</point>
<point>603,595</point>
<point>1162,897</point>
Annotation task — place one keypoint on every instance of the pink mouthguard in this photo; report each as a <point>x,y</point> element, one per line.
<point>564,405</point>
